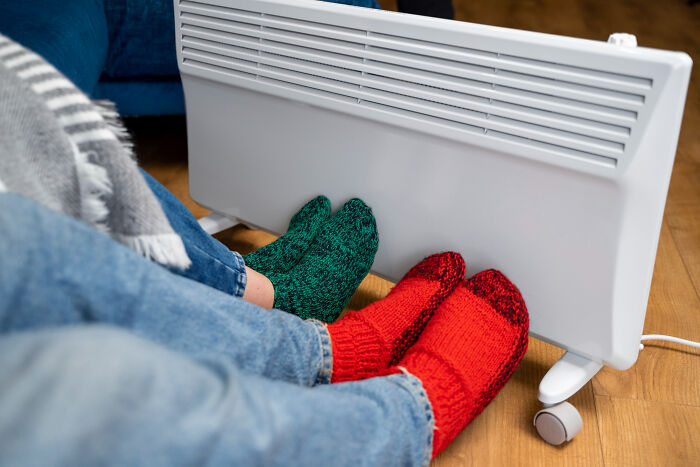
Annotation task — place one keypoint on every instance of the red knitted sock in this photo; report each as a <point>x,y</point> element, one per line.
<point>377,336</point>
<point>468,351</point>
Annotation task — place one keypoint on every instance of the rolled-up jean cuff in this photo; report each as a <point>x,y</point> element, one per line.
<point>230,277</point>
<point>324,340</point>
<point>415,387</point>
<point>240,276</point>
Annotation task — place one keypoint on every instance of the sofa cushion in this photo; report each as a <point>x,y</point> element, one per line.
<point>71,35</point>
<point>137,97</point>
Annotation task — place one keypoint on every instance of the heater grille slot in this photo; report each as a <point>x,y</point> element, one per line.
<point>576,112</point>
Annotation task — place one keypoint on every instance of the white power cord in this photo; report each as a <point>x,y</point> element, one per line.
<point>661,337</point>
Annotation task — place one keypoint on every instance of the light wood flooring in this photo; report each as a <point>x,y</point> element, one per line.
<point>648,415</point>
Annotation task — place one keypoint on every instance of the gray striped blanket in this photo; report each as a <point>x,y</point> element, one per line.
<point>72,155</point>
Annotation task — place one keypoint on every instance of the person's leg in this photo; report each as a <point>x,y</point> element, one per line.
<point>94,395</point>
<point>217,266</point>
<point>213,263</point>
<point>311,271</point>
<point>58,271</point>
<point>258,289</point>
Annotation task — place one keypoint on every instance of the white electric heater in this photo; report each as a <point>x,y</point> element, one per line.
<point>543,156</point>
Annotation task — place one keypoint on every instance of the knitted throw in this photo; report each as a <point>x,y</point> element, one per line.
<point>72,155</point>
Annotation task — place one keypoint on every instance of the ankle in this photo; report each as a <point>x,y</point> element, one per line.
<point>258,289</point>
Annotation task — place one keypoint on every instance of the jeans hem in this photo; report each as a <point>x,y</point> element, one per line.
<point>242,276</point>
<point>324,338</point>
<point>415,386</point>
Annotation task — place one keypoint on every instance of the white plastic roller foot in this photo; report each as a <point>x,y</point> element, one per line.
<point>215,223</point>
<point>558,423</point>
<point>569,374</point>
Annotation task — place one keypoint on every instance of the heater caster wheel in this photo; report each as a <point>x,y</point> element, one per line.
<point>558,423</point>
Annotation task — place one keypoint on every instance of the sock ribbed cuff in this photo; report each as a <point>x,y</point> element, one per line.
<point>356,349</point>
<point>438,377</point>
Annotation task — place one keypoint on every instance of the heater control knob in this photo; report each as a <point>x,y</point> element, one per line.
<point>622,39</point>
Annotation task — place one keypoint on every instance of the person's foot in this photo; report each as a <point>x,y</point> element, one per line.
<point>285,252</point>
<point>340,256</point>
<point>468,351</point>
<point>377,336</point>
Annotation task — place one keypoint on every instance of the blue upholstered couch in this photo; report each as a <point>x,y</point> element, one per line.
<point>122,50</point>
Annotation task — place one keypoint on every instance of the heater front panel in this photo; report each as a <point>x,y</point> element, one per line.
<point>532,221</point>
<point>546,157</point>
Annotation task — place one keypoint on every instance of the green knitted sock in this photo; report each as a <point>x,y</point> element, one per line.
<point>324,279</point>
<point>282,254</point>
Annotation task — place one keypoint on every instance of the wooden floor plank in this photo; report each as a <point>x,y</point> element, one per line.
<point>683,215</point>
<point>674,308</point>
<point>637,433</point>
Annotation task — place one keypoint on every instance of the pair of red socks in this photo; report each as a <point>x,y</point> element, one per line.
<point>462,339</point>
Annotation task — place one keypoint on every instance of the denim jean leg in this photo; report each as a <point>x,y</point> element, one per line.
<point>57,271</point>
<point>97,395</point>
<point>213,263</point>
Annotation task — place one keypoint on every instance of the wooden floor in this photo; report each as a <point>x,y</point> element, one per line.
<point>648,415</point>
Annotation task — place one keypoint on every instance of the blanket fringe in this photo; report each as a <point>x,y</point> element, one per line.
<point>109,113</point>
<point>165,249</point>
<point>95,187</point>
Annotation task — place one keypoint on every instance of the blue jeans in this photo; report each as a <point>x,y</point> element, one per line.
<point>213,263</point>
<point>108,358</point>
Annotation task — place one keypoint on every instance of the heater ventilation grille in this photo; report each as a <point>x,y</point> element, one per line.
<point>577,112</point>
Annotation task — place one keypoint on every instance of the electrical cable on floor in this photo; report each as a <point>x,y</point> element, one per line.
<point>662,337</point>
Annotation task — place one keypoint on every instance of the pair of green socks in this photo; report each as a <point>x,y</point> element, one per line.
<point>321,260</point>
